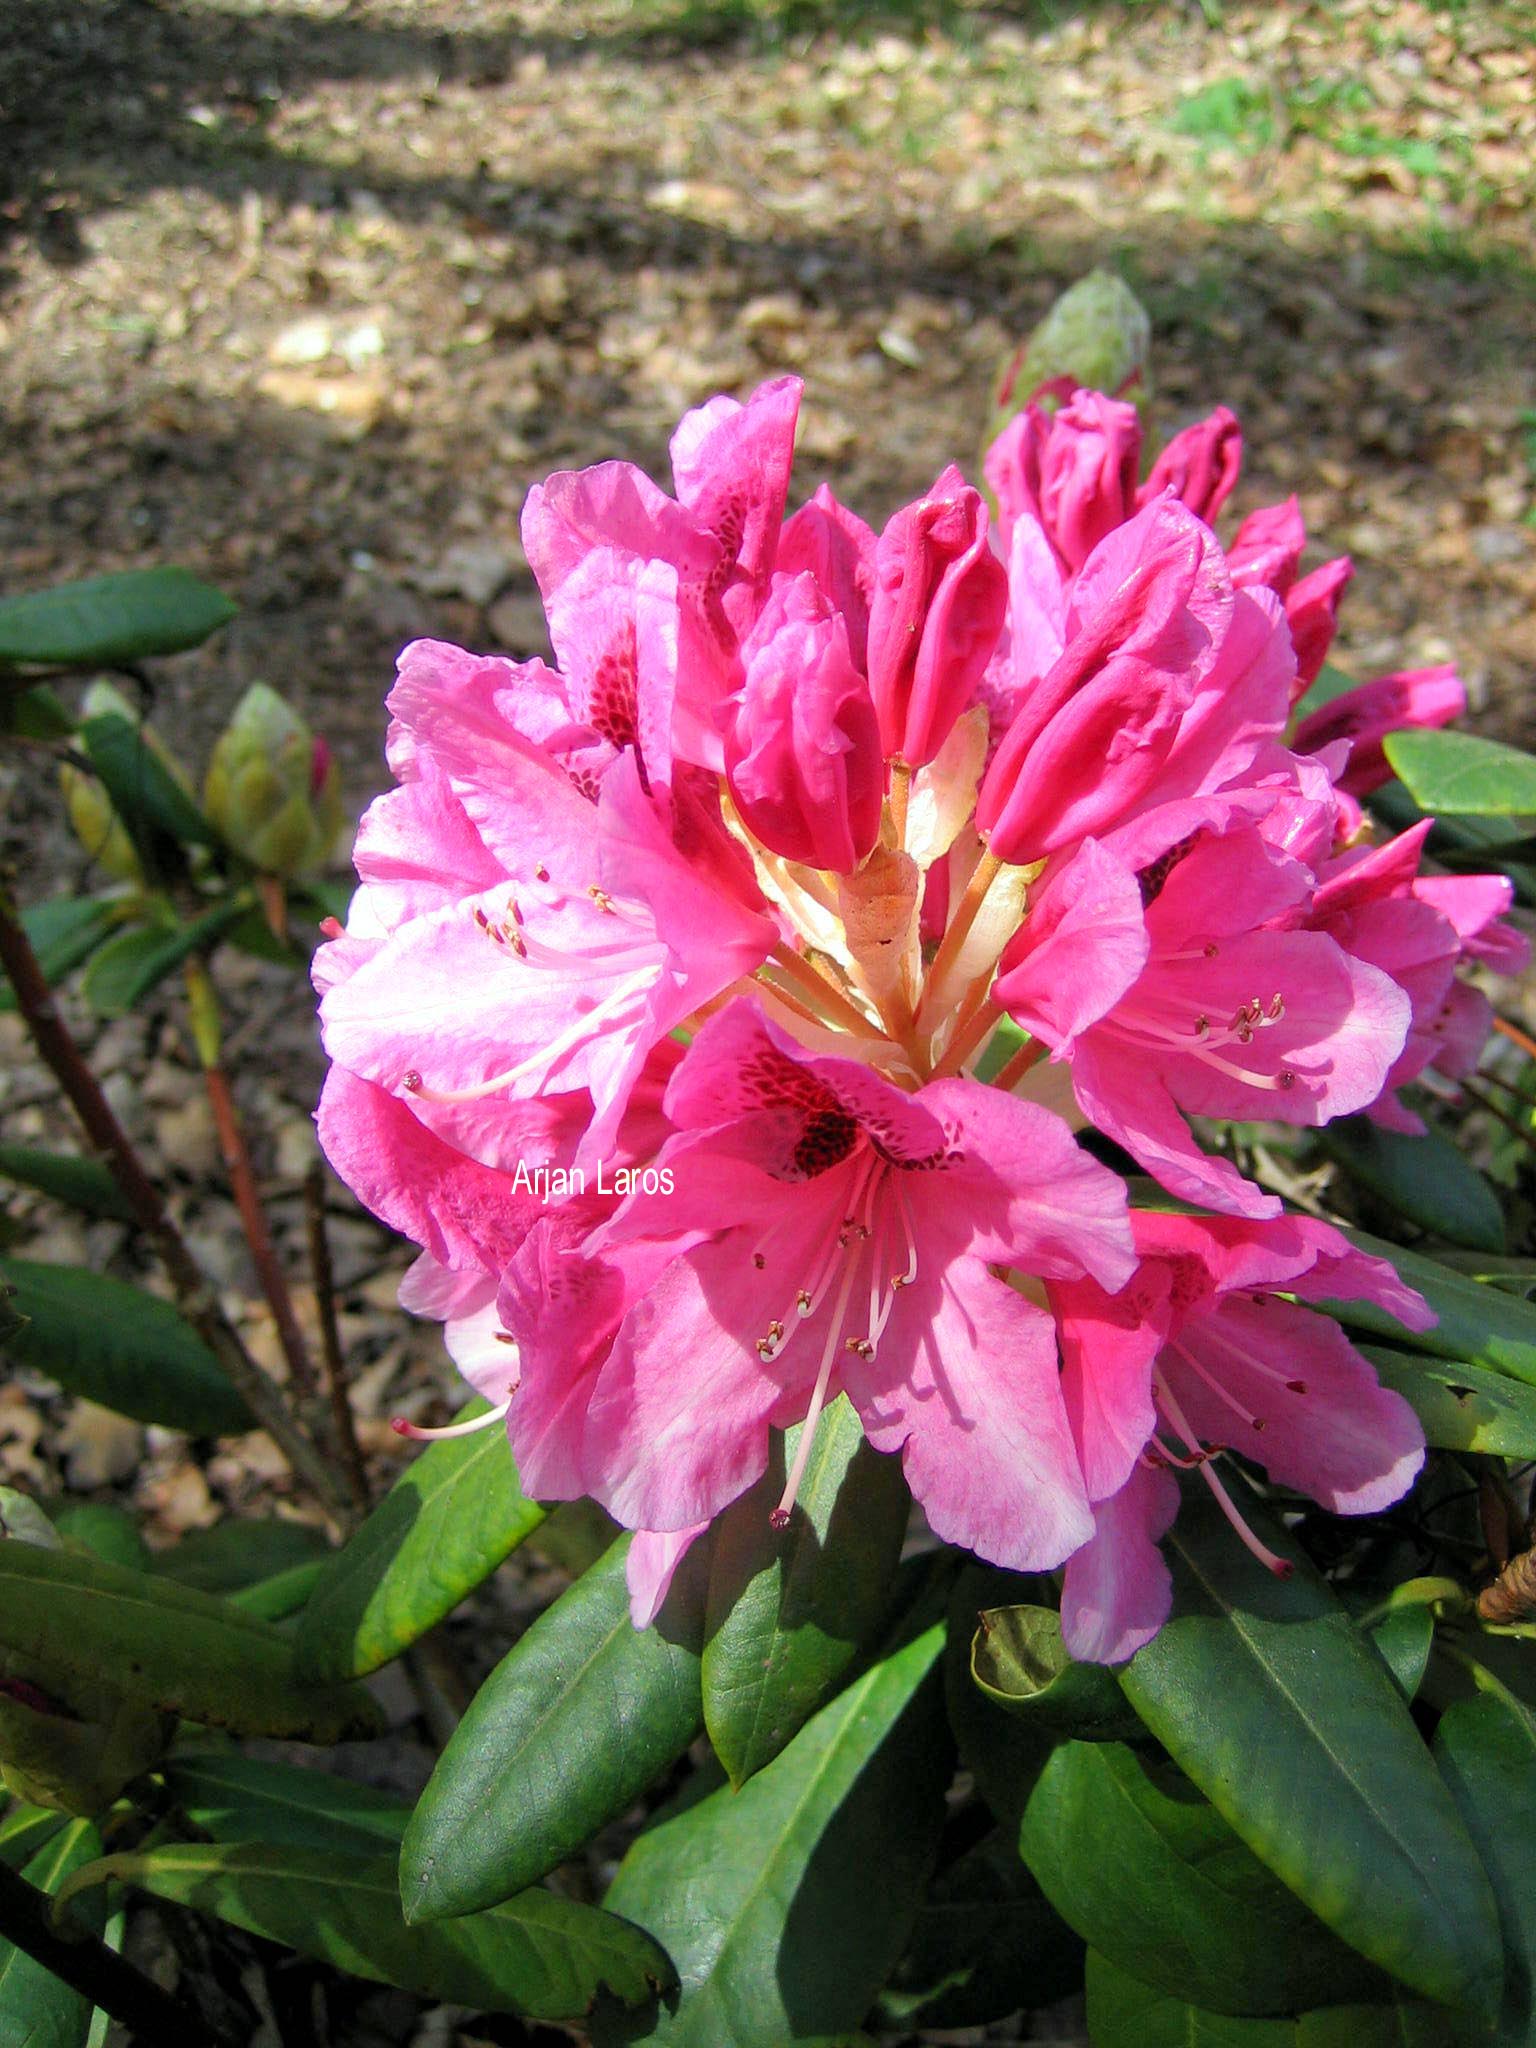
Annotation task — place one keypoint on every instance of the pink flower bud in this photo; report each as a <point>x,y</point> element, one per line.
<point>939,601</point>
<point>1074,471</point>
<point>1410,696</point>
<point>1312,607</point>
<point>802,753</point>
<point>1267,548</point>
<point>839,550</point>
<point>1200,465</point>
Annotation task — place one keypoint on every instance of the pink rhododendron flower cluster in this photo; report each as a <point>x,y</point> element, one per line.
<point>659,1016</point>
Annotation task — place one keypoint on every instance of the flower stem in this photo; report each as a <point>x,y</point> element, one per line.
<point>1013,1070</point>
<point>982,878</point>
<point>820,993</point>
<point>343,1426</point>
<point>195,1295</point>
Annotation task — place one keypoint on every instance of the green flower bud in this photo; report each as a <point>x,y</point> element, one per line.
<point>272,790</point>
<point>92,819</point>
<point>1097,335</point>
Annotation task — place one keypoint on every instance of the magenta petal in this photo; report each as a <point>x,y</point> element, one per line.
<point>976,1412</point>
<point>1116,1591</point>
<point>1200,465</point>
<point>1082,946</point>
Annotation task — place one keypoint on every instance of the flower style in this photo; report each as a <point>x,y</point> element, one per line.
<point>661,1012</point>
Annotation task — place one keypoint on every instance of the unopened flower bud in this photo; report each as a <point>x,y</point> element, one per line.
<point>1097,335</point>
<point>271,792</point>
<point>92,819</point>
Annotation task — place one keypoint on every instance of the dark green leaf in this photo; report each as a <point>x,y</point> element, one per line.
<point>109,1532</point>
<point>1150,1874</point>
<point>284,1594</point>
<point>145,794</point>
<point>129,616</point>
<point>1125,2013</point>
<point>24,1829</point>
<point>538,1955</point>
<point>238,1798</point>
<point>785,1905</point>
<point>67,1177</point>
<point>1462,1407</point>
<point>74,1618</point>
<point>788,1610</point>
<point>1020,1661</point>
<point>128,966</point>
<point>1459,773</point>
<point>1267,1696</point>
<point>1424,1179</point>
<point>234,1553</point>
<point>1476,1324</point>
<point>37,713</point>
<point>1404,1637</point>
<point>38,2010</point>
<point>444,1526</point>
<point>566,1733</point>
<point>1486,1749</point>
<point>1405,2023</point>
<point>1004,1752</point>
<point>986,1942</point>
<point>63,931</point>
<point>118,1346</point>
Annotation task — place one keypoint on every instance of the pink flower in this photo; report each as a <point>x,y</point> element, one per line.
<point>1410,697</point>
<point>658,1017</point>
<point>1210,1350</point>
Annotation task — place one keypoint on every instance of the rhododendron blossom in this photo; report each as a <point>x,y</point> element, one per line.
<point>723,1006</point>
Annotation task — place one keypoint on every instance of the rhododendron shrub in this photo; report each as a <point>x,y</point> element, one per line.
<point>727,1011</point>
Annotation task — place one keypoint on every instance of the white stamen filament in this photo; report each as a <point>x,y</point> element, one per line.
<point>547,1056</point>
<point>1224,1500</point>
<point>780,1515</point>
<point>417,1434</point>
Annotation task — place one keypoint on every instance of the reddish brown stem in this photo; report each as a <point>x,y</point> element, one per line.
<point>253,1221</point>
<point>1516,1036</point>
<point>1522,1131</point>
<point>330,1336</point>
<point>195,1295</point>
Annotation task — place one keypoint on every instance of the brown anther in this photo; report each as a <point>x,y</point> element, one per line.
<point>1286,1078</point>
<point>1260,1425</point>
<point>515,941</point>
<point>411,1081</point>
<point>759,1261</point>
<point>504,1337</point>
<point>1276,1008</point>
<point>1211,949</point>
<point>600,897</point>
<point>860,1346</point>
<point>803,1302</point>
<point>540,872</point>
<point>1297,1386</point>
<point>900,1280</point>
<point>481,919</point>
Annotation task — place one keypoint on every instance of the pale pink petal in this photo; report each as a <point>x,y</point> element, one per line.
<point>654,1555</point>
<point>1116,1591</point>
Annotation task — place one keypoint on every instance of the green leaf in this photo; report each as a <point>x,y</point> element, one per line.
<point>1004,1752</point>
<point>238,1798</point>
<point>74,1617</point>
<point>130,616</point>
<point>564,1736</point>
<point>38,2010</point>
<point>145,794</point>
<point>785,1905</point>
<point>35,713</point>
<point>1462,1407</point>
<point>63,931</point>
<point>1151,1875</point>
<point>1125,2013</point>
<point>1476,1324</point>
<point>109,1532</point>
<point>1424,1179</point>
<point>538,1955</point>
<point>986,1942</point>
<point>1404,1637</point>
<point>116,1345</point>
<point>1331,682</point>
<point>133,962</point>
<point>234,1554</point>
<point>1486,1749</point>
<point>1266,1695</point>
<point>67,1177</point>
<point>1406,2023</point>
<point>788,1610</point>
<point>285,1593</point>
<point>1460,773</point>
<point>444,1526</point>
<point>1019,1660</point>
<point>25,1829</point>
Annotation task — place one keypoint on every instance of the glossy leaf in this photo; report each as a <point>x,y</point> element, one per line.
<point>132,963</point>
<point>986,1942</point>
<point>1404,1637</point>
<point>237,1798</point>
<point>1462,1407</point>
<point>240,1553</point>
<point>151,802</point>
<point>1476,1324</point>
<point>1125,2013</point>
<point>67,1177</point>
<point>539,1955</point>
<point>1462,774</point>
<point>38,2010</point>
<point>1269,1699</point>
<point>785,1905</point>
<point>448,1521</point>
<point>24,1829</point>
<point>788,1610</point>
<point>73,1618</point>
<point>128,616</point>
<point>1020,1662</point>
<point>284,1594</point>
<point>1486,1749</point>
<point>566,1733</point>
<point>1425,1179</point>
<point>1004,1752</point>
<point>1149,1874</point>
<point>128,1350</point>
